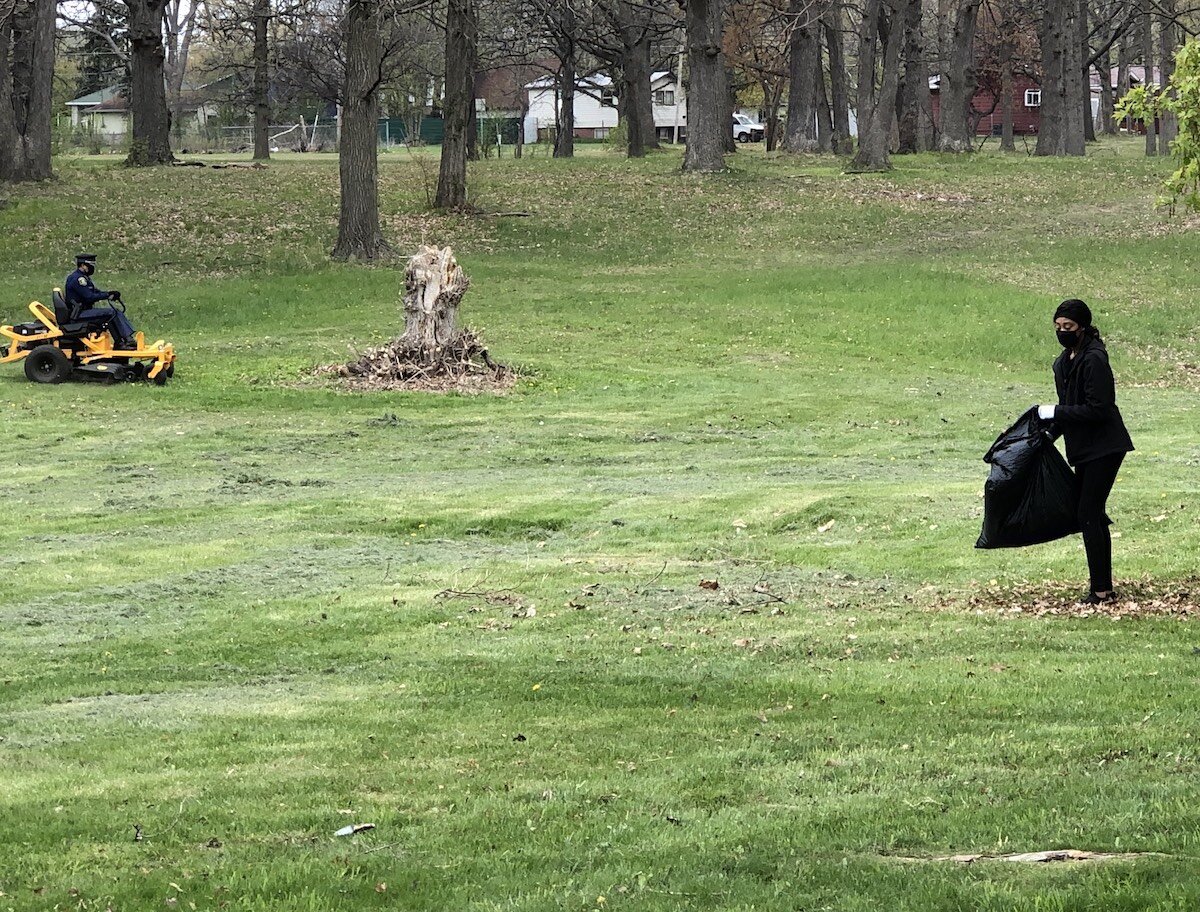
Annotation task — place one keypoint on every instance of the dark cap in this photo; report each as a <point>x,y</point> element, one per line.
<point>1076,310</point>
<point>81,258</point>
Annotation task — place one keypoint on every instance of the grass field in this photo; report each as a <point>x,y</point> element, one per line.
<point>247,609</point>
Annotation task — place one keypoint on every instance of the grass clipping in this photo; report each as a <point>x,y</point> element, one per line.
<point>434,354</point>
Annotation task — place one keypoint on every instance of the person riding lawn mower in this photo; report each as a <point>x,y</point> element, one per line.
<point>77,338</point>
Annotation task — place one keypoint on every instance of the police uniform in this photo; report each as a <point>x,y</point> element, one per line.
<point>82,297</point>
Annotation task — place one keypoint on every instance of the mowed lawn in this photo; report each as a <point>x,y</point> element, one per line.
<point>248,609</point>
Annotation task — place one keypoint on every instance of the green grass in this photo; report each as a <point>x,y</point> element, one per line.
<point>247,609</point>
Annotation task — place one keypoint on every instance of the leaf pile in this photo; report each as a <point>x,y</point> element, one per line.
<point>462,366</point>
<point>1145,597</point>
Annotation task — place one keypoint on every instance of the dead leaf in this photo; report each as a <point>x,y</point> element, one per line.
<point>827,526</point>
<point>709,584</point>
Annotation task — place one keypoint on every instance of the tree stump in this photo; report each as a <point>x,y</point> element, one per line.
<point>434,353</point>
<point>434,285</point>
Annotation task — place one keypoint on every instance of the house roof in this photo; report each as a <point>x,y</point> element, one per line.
<point>94,98</point>
<point>115,104</point>
<point>596,80</point>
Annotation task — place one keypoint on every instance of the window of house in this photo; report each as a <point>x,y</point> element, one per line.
<point>664,97</point>
<point>608,97</point>
<point>1033,98</point>
<point>600,133</point>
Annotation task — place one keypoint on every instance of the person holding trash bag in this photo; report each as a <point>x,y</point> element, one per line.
<point>1090,423</point>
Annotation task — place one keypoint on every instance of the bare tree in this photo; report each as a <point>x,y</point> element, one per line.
<point>26,75</point>
<point>839,84</point>
<point>148,97</point>
<point>707,87</point>
<point>461,50</point>
<point>1061,131</point>
<point>957,84</point>
<point>359,236</point>
<point>179,26</point>
<point>804,71</point>
<point>913,103</point>
<point>880,38</point>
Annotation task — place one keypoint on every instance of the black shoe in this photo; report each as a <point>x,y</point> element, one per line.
<point>128,345</point>
<point>1092,599</point>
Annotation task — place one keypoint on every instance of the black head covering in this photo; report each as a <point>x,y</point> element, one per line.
<point>1076,310</point>
<point>81,258</point>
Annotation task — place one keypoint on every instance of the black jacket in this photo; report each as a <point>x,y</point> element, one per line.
<point>81,293</point>
<point>1087,415</point>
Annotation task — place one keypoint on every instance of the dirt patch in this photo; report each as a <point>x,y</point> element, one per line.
<point>1179,598</point>
<point>463,366</point>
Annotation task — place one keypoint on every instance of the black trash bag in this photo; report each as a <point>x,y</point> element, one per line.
<point>1030,495</point>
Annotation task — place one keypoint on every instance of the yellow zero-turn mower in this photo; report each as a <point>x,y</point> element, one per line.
<point>54,349</point>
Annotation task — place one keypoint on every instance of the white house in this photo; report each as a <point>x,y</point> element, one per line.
<point>596,107</point>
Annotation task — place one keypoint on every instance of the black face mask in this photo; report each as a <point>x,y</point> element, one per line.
<point>1067,339</point>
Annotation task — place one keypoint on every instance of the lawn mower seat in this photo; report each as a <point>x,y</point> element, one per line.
<point>63,315</point>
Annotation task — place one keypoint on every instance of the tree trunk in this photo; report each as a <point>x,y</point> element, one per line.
<point>564,139</point>
<point>434,285</point>
<point>707,95</point>
<point>1061,131</point>
<point>914,84</point>
<point>1124,58</point>
<point>460,87</point>
<point>1006,97</point>
<point>825,136</point>
<point>26,75</point>
<point>877,103</point>
<point>359,237</point>
<point>1148,78</point>
<point>564,142</point>
<point>262,105</point>
<point>804,69</point>
<point>773,95</point>
<point>1168,40</point>
<point>636,67</point>
<point>957,86</point>
<point>148,95</point>
<point>636,98</point>
<point>1085,87</point>
<point>839,88</point>
<point>1104,116</point>
<point>727,114</point>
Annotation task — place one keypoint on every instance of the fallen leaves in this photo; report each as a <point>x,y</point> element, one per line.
<point>1145,597</point>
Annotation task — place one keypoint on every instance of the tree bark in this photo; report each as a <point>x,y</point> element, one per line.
<point>877,102</point>
<point>564,140</point>
<point>434,285</point>
<point>636,69</point>
<point>1006,97</point>
<point>1168,40</point>
<point>957,86</point>
<point>461,31</point>
<point>1104,115</point>
<point>262,81</point>
<point>26,75</point>
<point>839,88</point>
<point>1124,59</point>
<point>148,96</point>
<point>180,27</point>
<point>359,237</point>
<point>825,136</point>
<point>1085,86</point>
<point>914,85</point>
<point>707,94</point>
<point>804,69</point>
<point>1148,77</point>
<point>1061,131</point>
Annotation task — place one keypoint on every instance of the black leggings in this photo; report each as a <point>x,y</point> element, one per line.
<point>1095,478</point>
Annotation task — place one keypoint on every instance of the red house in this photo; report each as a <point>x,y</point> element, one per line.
<point>986,107</point>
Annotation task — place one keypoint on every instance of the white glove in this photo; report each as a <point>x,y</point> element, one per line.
<point>1046,412</point>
